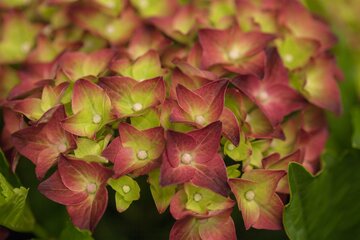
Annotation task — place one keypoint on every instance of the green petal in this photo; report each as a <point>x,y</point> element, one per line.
<point>121,204</point>
<point>238,153</point>
<point>149,119</point>
<point>233,171</point>
<point>296,52</point>
<point>201,200</point>
<point>118,186</point>
<point>161,195</point>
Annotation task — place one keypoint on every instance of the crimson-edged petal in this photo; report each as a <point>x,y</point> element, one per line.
<point>145,39</point>
<point>272,94</point>
<point>135,149</point>
<point>275,162</point>
<point>91,107</point>
<point>131,98</point>
<point>220,227</point>
<point>302,24</point>
<point>231,46</point>
<point>87,214</point>
<point>202,106</point>
<point>319,84</point>
<point>192,157</point>
<point>76,65</point>
<point>255,193</point>
<point>45,142</point>
<point>77,174</point>
<point>54,189</point>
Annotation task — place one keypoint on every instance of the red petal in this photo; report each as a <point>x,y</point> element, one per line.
<point>87,214</point>
<point>76,174</point>
<point>54,189</point>
<point>174,175</point>
<point>271,215</point>
<point>190,102</point>
<point>230,126</point>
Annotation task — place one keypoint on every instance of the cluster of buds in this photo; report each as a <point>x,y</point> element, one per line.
<point>209,99</point>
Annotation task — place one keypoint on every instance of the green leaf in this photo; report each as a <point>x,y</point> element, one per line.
<point>74,233</point>
<point>161,195</point>
<point>356,123</point>
<point>6,171</point>
<point>324,206</point>
<point>14,212</point>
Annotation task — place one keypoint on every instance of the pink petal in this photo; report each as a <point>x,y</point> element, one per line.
<point>87,214</point>
<point>230,126</point>
<point>54,189</point>
<point>76,174</point>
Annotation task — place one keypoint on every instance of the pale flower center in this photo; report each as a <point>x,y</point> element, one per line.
<point>110,4</point>
<point>200,119</point>
<point>62,147</point>
<point>143,3</point>
<point>142,154</point>
<point>110,29</point>
<point>137,107</point>
<point>96,118</point>
<point>197,197</point>
<point>25,47</point>
<point>263,96</point>
<point>250,195</point>
<point>126,188</point>
<point>234,53</point>
<point>91,188</point>
<point>288,58</point>
<point>230,147</point>
<point>186,158</point>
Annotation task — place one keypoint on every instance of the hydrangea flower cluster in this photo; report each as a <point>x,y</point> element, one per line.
<point>209,99</point>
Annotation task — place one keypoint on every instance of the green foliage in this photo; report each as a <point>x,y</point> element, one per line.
<point>356,123</point>
<point>15,214</point>
<point>324,206</point>
<point>74,233</point>
<point>6,171</point>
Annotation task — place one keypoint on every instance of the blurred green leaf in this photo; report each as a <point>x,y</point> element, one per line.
<point>73,233</point>
<point>14,212</point>
<point>6,171</point>
<point>356,123</point>
<point>324,206</point>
